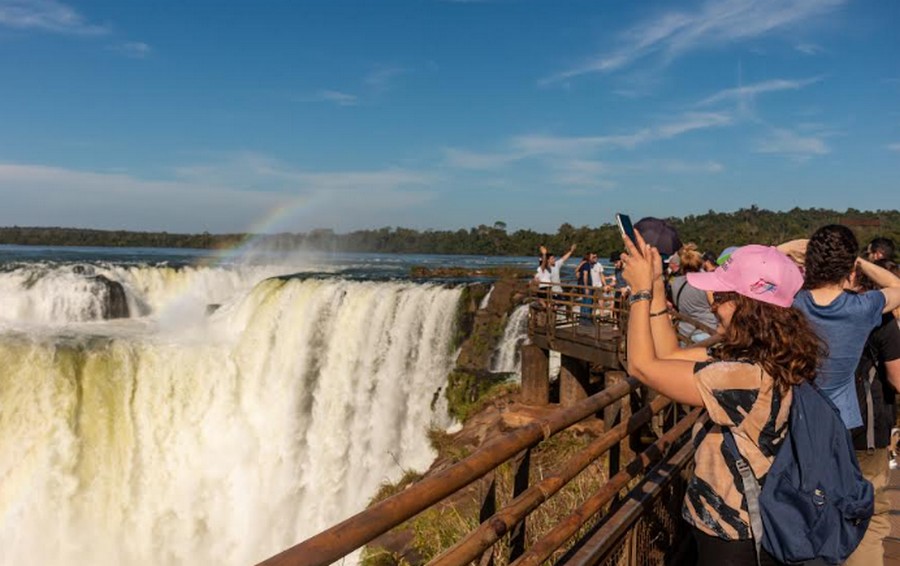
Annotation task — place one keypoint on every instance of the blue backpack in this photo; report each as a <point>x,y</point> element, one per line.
<point>815,502</point>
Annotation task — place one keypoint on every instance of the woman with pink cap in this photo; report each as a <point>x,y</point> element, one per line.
<point>744,383</point>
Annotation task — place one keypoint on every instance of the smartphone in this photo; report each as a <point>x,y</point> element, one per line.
<point>625,227</point>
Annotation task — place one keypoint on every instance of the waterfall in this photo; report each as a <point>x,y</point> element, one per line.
<point>50,294</point>
<point>486,299</point>
<point>128,442</point>
<point>507,357</point>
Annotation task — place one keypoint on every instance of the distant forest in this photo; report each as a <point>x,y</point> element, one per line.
<point>712,231</point>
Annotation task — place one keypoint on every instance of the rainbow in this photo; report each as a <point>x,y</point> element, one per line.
<point>277,219</point>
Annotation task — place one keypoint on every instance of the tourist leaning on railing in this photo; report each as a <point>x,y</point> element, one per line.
<point>766,347</point>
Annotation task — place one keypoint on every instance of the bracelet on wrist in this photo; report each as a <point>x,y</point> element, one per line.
<point>659,313</point>
<point>642,295</point>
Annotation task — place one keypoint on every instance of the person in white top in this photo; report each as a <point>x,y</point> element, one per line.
<point>548,272</point>
<point>598,278</point>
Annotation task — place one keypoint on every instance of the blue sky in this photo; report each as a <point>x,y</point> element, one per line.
<point>292,115</point>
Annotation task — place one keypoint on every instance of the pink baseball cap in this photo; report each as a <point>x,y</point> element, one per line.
<point>759,272</point>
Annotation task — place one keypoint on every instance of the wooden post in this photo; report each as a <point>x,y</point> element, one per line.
<point>517,535</point>
<point>617,412</point>
<point>574,376</point>
<point>535,375</point>
<point>488,508</point>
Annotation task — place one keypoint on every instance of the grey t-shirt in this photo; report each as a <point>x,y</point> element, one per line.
<point>692,302</point>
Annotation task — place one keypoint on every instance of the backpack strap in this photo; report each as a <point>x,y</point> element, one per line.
<point>870,411</point>
<point>751,489</point>
<point>678,295</point>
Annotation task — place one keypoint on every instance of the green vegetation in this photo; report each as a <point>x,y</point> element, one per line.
<point>711,231</point>
<point>390,489</point>
<point>468,393</point>
<point>115,238</point>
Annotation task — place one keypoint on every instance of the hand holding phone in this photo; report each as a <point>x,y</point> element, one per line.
<point>626,228</point>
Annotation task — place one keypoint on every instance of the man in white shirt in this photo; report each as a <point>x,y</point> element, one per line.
<point>597,276</point>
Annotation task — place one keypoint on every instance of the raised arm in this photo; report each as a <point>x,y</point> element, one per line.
<point>568,254</point>
<point>889,283</point>
<point>795,249</point>
<point>543,256</point>
<point>673,378</point>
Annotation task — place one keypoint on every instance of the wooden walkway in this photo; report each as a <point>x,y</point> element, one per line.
<point>892,543</point>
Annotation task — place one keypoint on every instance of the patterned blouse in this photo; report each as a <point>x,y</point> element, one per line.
<point>742,396</point>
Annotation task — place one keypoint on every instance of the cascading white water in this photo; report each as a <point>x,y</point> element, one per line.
<point>486,299</point>
<point>50,294</point>
<point>507,357</point>
<point>135,443</point>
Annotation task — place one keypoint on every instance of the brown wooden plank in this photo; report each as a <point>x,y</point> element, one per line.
<point>592,354</point>
<point>574,376</point>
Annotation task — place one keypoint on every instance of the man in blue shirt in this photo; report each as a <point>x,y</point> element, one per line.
<point>843,320</point>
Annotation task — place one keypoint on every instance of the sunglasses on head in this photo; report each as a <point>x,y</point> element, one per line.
<point>721,297</point>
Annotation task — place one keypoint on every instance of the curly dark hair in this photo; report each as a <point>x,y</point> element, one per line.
<point>779,339</point>
<point>830,256</point>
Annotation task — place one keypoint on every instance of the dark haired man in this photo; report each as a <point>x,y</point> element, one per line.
<point>843,320</point>
<point>880,248</point>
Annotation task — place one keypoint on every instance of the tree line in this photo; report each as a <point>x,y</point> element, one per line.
<point>712,231</point>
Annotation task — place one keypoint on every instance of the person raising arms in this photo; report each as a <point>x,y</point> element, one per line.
<point>745,383</point>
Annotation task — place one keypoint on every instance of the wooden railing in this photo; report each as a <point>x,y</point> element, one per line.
<point>570,305</point>
<point>606,511</point>
<point>585,307</point>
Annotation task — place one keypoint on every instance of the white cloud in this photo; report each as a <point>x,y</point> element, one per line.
<point>381,78</point>
<point>133,49</point>
<point>254,171</point>
<point>465,159</point>
<point>583,173</point>
<point>577,147</point>
<point>675,166</point>
<point>746,93</point>
<point>378,81</point>
<point>791,144</point>
<point>809,48</point>
<point>338,97</point>
<point>893,146</point>
<point>691,121</point>
<point>717,22</point>
<point>46,15</point>
<point>230,195</point>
